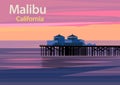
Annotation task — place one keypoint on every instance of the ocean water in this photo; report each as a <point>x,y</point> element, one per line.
<point>27,65</point>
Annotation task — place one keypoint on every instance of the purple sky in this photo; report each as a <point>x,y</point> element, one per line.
<point>69,10</point>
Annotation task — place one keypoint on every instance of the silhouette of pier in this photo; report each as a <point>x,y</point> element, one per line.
<point>79,50</point>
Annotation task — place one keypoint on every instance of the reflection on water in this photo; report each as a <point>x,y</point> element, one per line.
<point>24,58</point>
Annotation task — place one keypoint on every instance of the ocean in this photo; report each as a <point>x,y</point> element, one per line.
<point>27,65</point>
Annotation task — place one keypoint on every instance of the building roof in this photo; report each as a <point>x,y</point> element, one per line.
<point>72,36</point>
<point>59,35</point>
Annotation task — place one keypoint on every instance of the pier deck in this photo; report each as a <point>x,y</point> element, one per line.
<point>79,50</point>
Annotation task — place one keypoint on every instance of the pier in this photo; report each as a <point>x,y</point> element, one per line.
<point>47,50</point>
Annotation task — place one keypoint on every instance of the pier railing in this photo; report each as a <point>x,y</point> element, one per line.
<point>79,50</point>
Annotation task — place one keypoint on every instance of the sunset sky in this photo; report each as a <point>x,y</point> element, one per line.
<point>37,32</point>
<point>88,19</point>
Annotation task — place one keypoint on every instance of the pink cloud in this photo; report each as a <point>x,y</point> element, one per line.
<point>89,13</point>
<point>58,24</point>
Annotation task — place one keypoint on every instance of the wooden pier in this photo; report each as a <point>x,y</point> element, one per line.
<point>79,50</point>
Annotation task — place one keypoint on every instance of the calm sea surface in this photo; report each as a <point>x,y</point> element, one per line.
<point>27,65</point>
